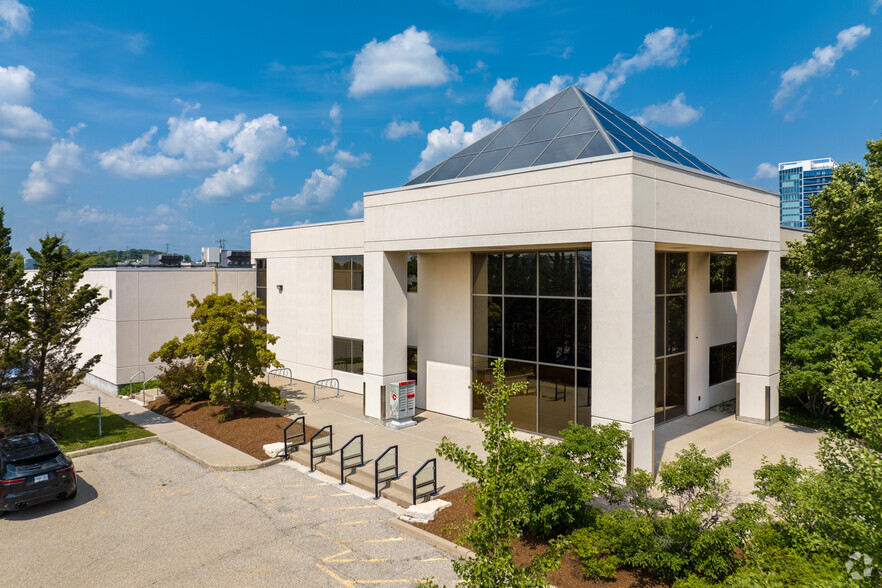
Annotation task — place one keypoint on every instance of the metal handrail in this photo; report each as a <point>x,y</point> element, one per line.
<point>302,421</point>
<point>323,383</point>
<point>344,459</point>
<point>135,375</point>
<point>378,471</point>
<point>278,371</point>
<point>433,482</point>
<point>329,445</point>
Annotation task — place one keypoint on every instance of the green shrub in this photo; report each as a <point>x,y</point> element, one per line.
<point>183,382</point>
<point>596,564</point>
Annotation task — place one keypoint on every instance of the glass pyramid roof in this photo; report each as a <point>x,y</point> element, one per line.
<point>569,126</point>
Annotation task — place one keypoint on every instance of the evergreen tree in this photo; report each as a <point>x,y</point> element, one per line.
<point>13,317</point>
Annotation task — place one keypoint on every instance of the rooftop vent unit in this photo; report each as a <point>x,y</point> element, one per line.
<point>237,258</point>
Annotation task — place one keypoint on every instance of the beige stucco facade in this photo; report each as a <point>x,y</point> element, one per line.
<point>145,308</point>
<point>624,208</point>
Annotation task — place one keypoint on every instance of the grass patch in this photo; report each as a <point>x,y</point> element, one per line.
<point>80,431</point>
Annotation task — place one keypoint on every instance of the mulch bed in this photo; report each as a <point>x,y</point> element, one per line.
<point>568,575</point>
<point>248,432</point>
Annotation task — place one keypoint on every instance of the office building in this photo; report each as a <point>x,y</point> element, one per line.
<point>798,181</point>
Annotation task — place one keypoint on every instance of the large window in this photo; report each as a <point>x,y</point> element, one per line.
<point>348,272</point>
<point>412,263</point>
<point>412,363</point>
<point>670,335</point>
<point>349,355</point>
<point>534,309</point>
<point>261,285</point>
<point>722,363</point>
<point>722,272</point>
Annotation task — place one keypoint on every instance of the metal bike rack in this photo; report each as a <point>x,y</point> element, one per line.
<point>349,455</point>
<point>385,468</point>
<point>302,435</point>
<point>279,372</point>
<point>425,484</point>
<point>325,383</point>
<point>321,446</point>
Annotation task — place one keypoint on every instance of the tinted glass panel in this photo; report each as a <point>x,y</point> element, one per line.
<point>423,176</point>
<point>480,144</point>
<point>622,148</point>
<point>659,390</point>
<point>659,326</point>
<point>342,273</point>
<point>487,273</point>
<point>597,147</point>
<point>412,363</point>
<point>659,273</point>
<point>520,274</point>
<point>357,357</point>
<point>557,399</point>
<point>481,373</point>
<point>357,266</point>
<point>512,133</point>
<point>568,100</point>
<point>584,274</point>
<point>582,123</point>
<point>412,266</point>
<point>549,126</point>
<point>520,328</point>
<point>675,386</point>
<point>722,363</point>
<point>536,111</point>
<point>675,325</point>
<point>564,149</point>
<point>522,407</point>
<point>451,168</point>
<point>635,146</point>
<point>583,333</point>
<point>557,273</point>
<point>485,162</point>
<point>557,341</point>
<point>522,156</point>
<point>487,325</point>
<point>342,354</point>
<point>583,397</point>
<point>722,272</point>
<point>676,273</point>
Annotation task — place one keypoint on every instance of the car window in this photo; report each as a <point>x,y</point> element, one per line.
<point>27,467</point>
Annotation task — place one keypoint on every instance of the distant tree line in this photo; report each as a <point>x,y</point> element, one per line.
<point>111,257</point>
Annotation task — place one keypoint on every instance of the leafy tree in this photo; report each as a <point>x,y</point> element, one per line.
<point>499,494</point>
<point>820,313</point>
<point>845,222</point>
<point>13,313</point>
<point>57,308</point>
<point>859,400</point>
<point>228,341</point>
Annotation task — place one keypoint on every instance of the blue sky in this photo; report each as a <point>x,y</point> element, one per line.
<point>179,124</point>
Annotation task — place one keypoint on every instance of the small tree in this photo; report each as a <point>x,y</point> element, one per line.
<point>499,495</point>
<point>228,341</point>
<point>58,307</point>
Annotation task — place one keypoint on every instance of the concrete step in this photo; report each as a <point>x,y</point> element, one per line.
<point>399,491</point>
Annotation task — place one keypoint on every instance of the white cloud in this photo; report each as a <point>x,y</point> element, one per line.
<point>260,141</point>
<point>675,113</point>
<point>766,171</point>
<point>356,210</point>
<point>119,225</point>
<point>15,18</point>
<point>396,130</point>
<point>446,141</point>
<point>660,48</point>
<point>406,60</point>
<point>320,186</point>
<point>336,114</point>
<point>44,182</point>
<point>501,99</point>
<point>676,140</point>
<point>821,63</point>
<point>22,123</point>
<point>235,150</point>
<point>15,84</point>
<point>875,6</point>
<point>495,7</point>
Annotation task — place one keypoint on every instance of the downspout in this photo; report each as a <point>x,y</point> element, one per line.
<point>214,279</point>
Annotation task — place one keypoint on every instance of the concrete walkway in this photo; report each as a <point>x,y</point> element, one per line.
<point>190,442</point>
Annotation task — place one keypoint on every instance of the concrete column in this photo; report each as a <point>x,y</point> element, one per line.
<point>698,319</point>
<point>759,320</point>
<point>622,330</point>
<point>385,325</point>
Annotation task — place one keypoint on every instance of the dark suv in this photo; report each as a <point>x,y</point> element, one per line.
<point>33,470</point>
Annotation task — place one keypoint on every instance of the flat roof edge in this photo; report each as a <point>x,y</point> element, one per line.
<point>306,225</point>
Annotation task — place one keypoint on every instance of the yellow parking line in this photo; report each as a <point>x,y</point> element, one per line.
<point>349,507</point>
<point>335,576</point>
<point>385,540</point>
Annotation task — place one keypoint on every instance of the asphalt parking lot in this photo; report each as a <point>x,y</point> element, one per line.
<point>146,515</point>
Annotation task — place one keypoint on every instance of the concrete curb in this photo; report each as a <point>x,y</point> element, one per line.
<point>435,541</point>
<point>111,446</point>
<point>220,468</point>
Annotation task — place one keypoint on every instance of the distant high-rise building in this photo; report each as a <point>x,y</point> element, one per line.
<point>797,181</point>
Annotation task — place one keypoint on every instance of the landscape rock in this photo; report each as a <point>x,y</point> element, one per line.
<point>425,512</point>
<point>275,449</point>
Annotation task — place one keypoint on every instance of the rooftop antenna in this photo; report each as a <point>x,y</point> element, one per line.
<point>222,243</point>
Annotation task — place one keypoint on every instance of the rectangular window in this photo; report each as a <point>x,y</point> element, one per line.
<point>722,363</point>
<point>412,363</point>
<point>348,272</point>
<point>723,267</point>
<point>349,355</point>
<point>261,285</point>
<point>412,261</point>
